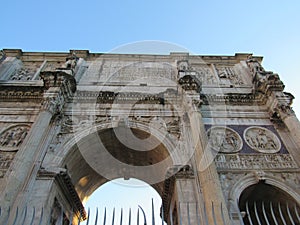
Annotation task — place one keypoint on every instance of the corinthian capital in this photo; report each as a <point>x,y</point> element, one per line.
<point>52,105</point>
<point>282,107</point>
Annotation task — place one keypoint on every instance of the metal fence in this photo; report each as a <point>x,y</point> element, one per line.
<point>187,214</point>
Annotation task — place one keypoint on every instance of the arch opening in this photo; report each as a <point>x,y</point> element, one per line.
<point>263,203</point>
<point>101,157</point>
<point>125,201</point>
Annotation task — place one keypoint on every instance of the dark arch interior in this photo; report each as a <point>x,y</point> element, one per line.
<point>266,204</point>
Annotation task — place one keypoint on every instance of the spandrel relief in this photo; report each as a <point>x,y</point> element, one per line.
<point>12,138</point>
<point>224,139</point>
<point>262,140</point>
<point>6,159</point>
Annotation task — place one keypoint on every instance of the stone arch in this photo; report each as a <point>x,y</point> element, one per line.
<point>253,179</point>
<point>86,178</point>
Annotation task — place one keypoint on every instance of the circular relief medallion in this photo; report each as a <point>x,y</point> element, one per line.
<point>262,140</point>
<point>224,139</point>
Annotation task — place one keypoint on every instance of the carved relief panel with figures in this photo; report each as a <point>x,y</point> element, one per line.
<point>11,140</point>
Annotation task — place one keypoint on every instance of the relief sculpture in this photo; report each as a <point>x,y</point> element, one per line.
<point>223,139</point>
<point>229,74</point>
<point>12,138</point>
<point>262,140</point>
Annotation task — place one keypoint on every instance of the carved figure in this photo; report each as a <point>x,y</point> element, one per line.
<point>183,66</point>
<point>224,139</point>
<point>262,140</point>
<point>13,137</point>
<point>228,73</point>
<point>189,82</point>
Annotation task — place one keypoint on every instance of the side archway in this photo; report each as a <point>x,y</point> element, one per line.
<point>259,197</point>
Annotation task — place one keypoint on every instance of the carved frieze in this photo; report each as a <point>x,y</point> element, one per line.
<point>224,139</point>
<point>262,139</point>
<point>13,137</point>
<point>254,161</point>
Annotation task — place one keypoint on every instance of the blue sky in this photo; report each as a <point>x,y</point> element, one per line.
<point>266,28</point>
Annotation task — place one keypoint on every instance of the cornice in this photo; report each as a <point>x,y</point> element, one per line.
<point>16,91</point>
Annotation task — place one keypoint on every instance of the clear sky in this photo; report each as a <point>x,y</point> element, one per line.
<point>267,28</point>
<point>263,27</point>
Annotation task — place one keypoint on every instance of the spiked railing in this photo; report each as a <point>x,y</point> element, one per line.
<point>256,214</point>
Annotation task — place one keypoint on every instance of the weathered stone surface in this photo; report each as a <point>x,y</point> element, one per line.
<point>200,129</point>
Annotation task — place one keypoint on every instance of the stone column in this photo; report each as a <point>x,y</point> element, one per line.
<point>180,197</point>
<point>206,169</point>
<point>281,111</point>
<point>20,178</point>
<point>17,178</point>
<point>293,125</point>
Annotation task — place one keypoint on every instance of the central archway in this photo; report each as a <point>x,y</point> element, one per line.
<point>101,154</point>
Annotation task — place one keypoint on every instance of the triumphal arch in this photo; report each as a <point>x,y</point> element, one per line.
<point>214,135</point>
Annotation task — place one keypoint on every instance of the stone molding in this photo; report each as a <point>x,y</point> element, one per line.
<point>65,183</point>
<point>58,79</point>
<point>275,179</point>
<point>12,91</point>
<point>234,99</point>
<point>67,187</point>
